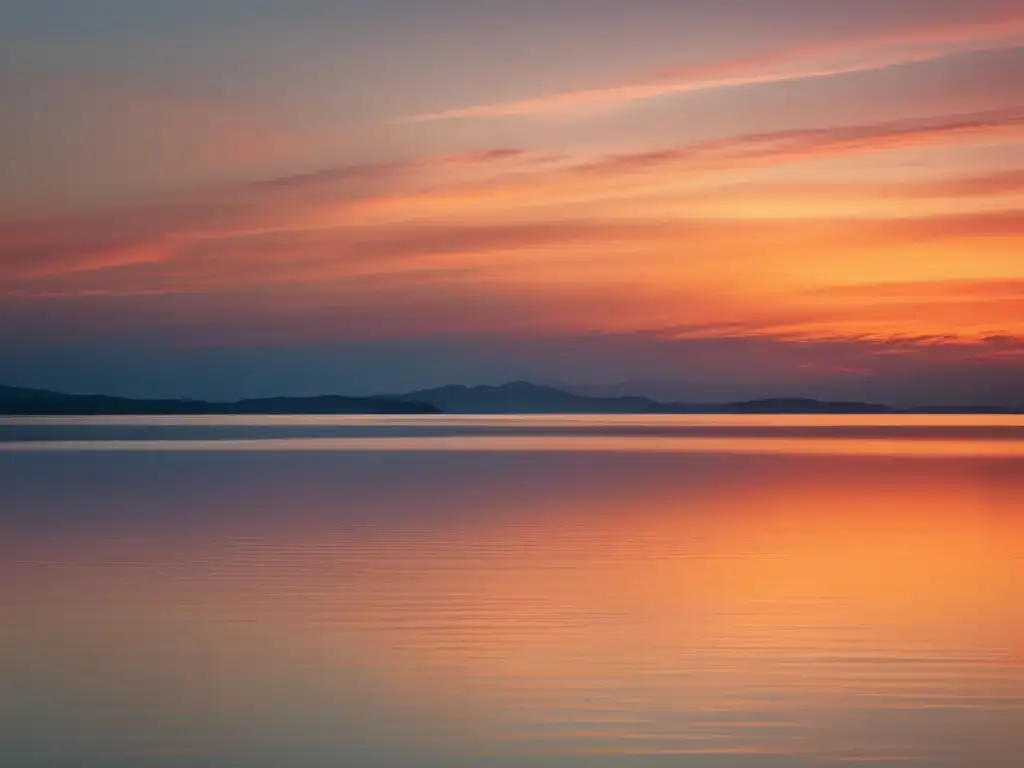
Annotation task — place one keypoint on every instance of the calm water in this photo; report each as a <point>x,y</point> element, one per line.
<point>756,591</point>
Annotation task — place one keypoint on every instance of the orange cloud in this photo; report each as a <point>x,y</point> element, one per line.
<point>505,183</point>
<point>881,51</point>
<point>779,198</point>
<point>626,177</point>
<point>511,327</point>
<point>516,242</point>
<point>159,230</point>
<point>1006,124</point>
<point>942,290</point>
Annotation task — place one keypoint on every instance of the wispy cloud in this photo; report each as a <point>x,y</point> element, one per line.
<point>996,184</point>
<point>502,181</point>
<point>586,179</point>
<point>746,150</point>
<point>797,62</point>
<point>159,229</point>
<point>938,290</point>
<point>284,229</point>
<point>496,236</point>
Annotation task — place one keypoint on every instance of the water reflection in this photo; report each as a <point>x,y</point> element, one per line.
<point>401,609</point>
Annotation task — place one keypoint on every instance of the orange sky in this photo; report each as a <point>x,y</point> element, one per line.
<point>790,182</point>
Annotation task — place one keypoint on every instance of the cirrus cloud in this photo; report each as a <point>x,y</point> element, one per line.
<point>922,43</point>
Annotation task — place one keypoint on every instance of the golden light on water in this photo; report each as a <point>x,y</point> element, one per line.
<point>743,604</point>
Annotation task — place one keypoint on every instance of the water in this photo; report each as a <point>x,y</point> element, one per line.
<point>512,591</point>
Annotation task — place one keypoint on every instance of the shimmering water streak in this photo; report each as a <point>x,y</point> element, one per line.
<point>555,420</point>
<point>933,436</point>
<point>822,446</point>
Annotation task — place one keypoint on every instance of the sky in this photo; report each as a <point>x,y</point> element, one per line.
<point>227,198</point>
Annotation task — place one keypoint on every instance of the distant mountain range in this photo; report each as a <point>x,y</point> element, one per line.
<point>903,392</point>
<point>515,397</point>
<point>675,391</point>
<point>39,402</point>
<point>524,397</point>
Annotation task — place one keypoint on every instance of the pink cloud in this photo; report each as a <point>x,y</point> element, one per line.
<point>926,42</point>
<point>621,176</point>
<point>322,229</point>
<point>937,290</point>
<point>1004,124</point>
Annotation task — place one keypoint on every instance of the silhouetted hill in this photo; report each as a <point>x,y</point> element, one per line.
<point>790,405</point>
<point>524,397</point>
<point>516,397</point>
<point>962,391</point>
<point>684,391</point>
<point>18,401</point>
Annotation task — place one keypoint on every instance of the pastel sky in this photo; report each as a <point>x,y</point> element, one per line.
<point>243,197</point>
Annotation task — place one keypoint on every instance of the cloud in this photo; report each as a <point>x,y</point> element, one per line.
<point>399,329</point>
<point>509,242</point>
<point>779,147</point>
<point>809,194</point>
<point>928,290</point>
<point>314,212</point>
<point>798,62</point>
<point>695,167</point>
<point>158,230</point>
<point>450,187</point>
<point>539,254</point>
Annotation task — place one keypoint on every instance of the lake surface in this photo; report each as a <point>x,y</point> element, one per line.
<point>512,591</point>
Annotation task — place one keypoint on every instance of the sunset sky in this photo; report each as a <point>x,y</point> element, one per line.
<point>224,198</point>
